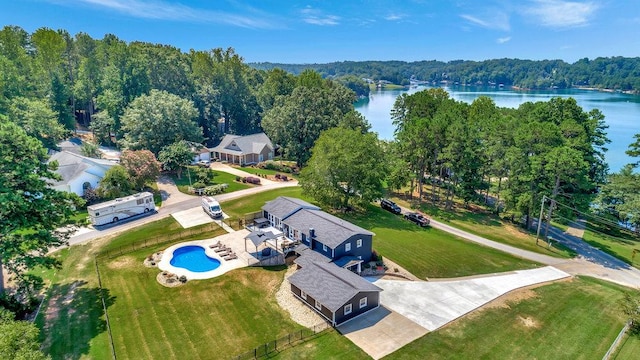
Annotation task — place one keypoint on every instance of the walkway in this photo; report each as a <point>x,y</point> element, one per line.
<point>237,172</point>
<point>170,193</point>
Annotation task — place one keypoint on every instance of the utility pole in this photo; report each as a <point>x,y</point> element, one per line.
<point>544,198</point>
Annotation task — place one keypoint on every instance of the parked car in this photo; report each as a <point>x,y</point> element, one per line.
<point>417,218</point>
<point>390,206</point>
<point>204,163</point>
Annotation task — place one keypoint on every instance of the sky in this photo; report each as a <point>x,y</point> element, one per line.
<point>326,31</point>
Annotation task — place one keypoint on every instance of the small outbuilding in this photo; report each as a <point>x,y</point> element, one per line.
<point>337,294</point>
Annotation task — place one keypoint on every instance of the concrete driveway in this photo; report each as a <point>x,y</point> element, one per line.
<point>381,331</point>
<point>435,303</point>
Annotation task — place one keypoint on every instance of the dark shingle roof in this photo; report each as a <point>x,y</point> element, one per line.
<point>329,230</point>
<point>284,206</point>
<point>329,284</point>
<point>308,256</point>
<point>258,237</point>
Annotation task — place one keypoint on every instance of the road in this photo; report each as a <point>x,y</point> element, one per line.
<point>185,203</point>
<point>589,262</point>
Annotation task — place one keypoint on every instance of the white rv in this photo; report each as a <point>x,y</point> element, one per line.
<point>211,207</point>
<point>121,208</point>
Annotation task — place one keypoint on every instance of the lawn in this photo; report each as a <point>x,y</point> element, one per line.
<point>482,223</point>
<point>565,320</point>
<point>629,348</point>
<point>215,318</point>
<point>221,177</point>
<point>428,252</point>
<point>621,246</point>
<point>258,171</point>
<point>326,345</point>
<point>239,207</point>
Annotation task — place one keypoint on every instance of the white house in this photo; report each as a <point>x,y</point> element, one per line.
<point>78,172</point>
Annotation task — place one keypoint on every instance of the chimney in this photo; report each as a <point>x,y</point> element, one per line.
<point>312,233</point>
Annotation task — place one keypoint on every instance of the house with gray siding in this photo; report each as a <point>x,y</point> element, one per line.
<point>334,292</point>
<point>340,241</point>
<point>243,150</point>
<point>331,253</point>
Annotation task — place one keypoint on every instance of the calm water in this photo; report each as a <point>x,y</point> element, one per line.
<point>194,259</point>
<point>622,112</point>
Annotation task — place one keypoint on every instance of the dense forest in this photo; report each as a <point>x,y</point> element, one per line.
<point>615,73</point>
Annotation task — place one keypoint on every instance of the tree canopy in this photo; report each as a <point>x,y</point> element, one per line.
<point>19,340</point>
<point>345,168</point>
<point>154,121</point>
<point>31,213</point>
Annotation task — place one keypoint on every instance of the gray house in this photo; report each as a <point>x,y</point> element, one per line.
<point>250,149</point>
<point>343,243</point>
<point>335,293</point>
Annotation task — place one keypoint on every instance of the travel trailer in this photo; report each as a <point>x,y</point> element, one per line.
<point>211,207</point>
<point>121,208</point>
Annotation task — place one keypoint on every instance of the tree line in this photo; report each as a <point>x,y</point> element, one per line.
<point>615,73</point>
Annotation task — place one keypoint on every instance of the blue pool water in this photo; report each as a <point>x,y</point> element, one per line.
<point>193,259</point>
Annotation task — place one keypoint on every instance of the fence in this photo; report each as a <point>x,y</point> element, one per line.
<point>282,343</point>
<point>145,243</point>
<point>274,260</point>
<point>104,307</point>
<point>616,342</point>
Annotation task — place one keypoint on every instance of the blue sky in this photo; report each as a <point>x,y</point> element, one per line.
<point>325,31</point>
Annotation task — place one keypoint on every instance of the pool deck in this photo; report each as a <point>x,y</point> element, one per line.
<point>233,240</point>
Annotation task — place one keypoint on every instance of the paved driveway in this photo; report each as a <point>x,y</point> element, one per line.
<point>381,331</point>
<point>433,304</point>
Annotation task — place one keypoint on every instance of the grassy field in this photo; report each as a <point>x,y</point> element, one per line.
<point>489,226</point>
<point>221,177</point>
<point>565,320</point>
<point>428,252</point>
<point>239,207</point>
<point>327,345</point>
<point>621,246</point>
<point>629,348</point>
<point>257,171</point>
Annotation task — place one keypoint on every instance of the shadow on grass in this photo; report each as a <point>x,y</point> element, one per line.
<point>72,317</point>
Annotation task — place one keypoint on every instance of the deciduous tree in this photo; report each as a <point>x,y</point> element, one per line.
<point>141,165</point>
<point>115,183</point>
<point>19,340</point>
<point>346,167</point>
<point>176,157</point>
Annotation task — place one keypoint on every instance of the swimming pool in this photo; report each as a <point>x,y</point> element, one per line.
<point>193,258</point>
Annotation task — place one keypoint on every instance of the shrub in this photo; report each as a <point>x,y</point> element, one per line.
<point>379,262</point>
<point>215,189</point>
<point>252,180</point>
<point>199,185</point>
<point>238,178</point>
<point>278,176</point>
<point>183,279</point>
<point>374,255</point>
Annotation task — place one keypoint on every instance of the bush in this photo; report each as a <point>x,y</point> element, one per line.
<point>379,262</point>
<point>215,189</point>
<point>374,255</point>
<point>238,178</point>
<point>199,185</point>
<point>183,279</point>
<point>252,180</point>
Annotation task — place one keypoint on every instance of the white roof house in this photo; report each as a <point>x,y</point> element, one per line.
<point>78,172</point>
<point>249,149</point>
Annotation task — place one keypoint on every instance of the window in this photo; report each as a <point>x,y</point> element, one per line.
<point>318,305</point>
<point>347,246</point>
<point>359,243</point>
<point>363,302</point>
<point>347,309</point>
<point>303,294</point>
<point>324,247</point>
<point>140,201</point>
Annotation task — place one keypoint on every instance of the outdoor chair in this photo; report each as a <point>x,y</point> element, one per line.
<point>230,256</point>
<point>216,245</point>
<point>222,248</point>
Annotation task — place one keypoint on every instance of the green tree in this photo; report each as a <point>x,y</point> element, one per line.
<point>141,165</point>
<point>115,183</point>
<point>38,120</point>
<point>90,149</point>
<point>176,157</point>
<point>19,340</point>
<point>31,213</point>
<point>154,121</point>
<point>630,305</point>
<point>103,126</point>
<point>345,168</point>
<point>296,121</point>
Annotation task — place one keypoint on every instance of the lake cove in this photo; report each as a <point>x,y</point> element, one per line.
<point>621,111</point>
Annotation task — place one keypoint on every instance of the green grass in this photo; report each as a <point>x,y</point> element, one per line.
<point>489,226</point>
<point>621,246</point>
<point>565,320</point>
<point>163,230</point>
<point>428,252</point>
<point>257,171</point>
<point>238,207</point>
<point>629,348</point>
<point>221,177</point>
<point>326,345</point>
<point>215,318</point>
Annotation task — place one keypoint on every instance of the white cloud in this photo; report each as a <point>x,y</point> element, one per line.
<point>162,10</point>
<point>561,13</point>
<point>503,40</point>
<point>317,17</point>
<point>497,20</point>
<point>394,17</point>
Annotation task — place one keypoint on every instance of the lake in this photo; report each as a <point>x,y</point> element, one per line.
<point>621,111</point>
